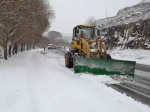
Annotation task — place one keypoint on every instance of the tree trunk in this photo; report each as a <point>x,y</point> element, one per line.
<point>21,47</point>
<point>15,48</point>
<point>24,46</point>
<point>27,47</point>
<point>10,50</point>
<point>5,52</point>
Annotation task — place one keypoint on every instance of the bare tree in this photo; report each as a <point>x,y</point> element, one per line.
<point>90,21</point>
<point>23,22</point>
<point>44,41</point>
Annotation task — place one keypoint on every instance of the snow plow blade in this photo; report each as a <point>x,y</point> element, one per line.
<point>104,66</point>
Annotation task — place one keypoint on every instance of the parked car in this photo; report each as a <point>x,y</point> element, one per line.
<point>51,46</point>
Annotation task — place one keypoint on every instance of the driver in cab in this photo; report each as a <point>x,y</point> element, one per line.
<point>82,35</point>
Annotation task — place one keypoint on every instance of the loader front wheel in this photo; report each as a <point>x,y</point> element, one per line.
<point>108,56</point>
<point>74,62</point>
<point>68,63</point>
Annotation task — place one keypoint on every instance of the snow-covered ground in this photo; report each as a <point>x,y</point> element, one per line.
<point>140,56</point>
<point>34,81</point>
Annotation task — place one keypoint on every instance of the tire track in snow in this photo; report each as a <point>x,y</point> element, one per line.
<point>38,97</point>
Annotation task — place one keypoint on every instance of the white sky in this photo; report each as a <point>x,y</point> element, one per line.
<point>69,13</point>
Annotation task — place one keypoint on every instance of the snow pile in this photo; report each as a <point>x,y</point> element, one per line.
<point>140,56</point>
<point>122,79</point>
<point>43,52</point>
<point>104,79</point>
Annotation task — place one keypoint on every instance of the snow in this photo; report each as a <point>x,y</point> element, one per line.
<point>92,50</point>
<point>34,81</point>
<point>144,1</point>
<point>131,38</point>
<point>127,15</point>
<point>120,40</point>
<point>67,49</point>
<point>140,56</point>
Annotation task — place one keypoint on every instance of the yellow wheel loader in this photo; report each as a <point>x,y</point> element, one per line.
<point>88,54</point>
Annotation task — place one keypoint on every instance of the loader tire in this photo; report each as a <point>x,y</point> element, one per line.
<point>108,56</point>
<point>74,61</point>
<point>68,62</point>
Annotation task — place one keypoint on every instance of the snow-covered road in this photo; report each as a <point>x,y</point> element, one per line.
<point>35,82</point>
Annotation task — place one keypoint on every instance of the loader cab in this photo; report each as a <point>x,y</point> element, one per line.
<point>88,30</point>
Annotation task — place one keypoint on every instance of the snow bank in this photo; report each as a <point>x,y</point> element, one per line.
<point>104,79</point>
<point>140,56</point>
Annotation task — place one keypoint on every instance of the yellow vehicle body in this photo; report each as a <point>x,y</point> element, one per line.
<point>90,55</point>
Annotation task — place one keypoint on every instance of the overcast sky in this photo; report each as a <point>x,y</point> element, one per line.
<point>69,13</point>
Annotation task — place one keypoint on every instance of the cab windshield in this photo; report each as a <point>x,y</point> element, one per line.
<point>88,31</point>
